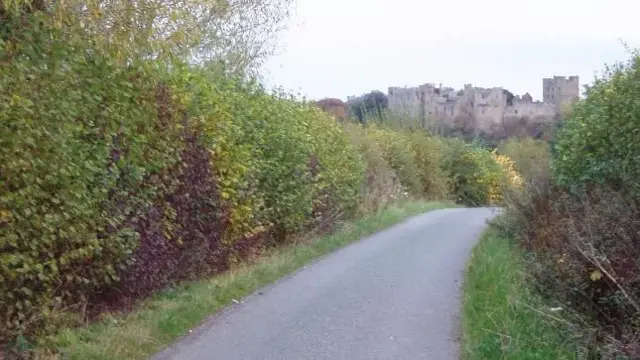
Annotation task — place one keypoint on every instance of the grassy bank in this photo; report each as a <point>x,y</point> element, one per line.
<point>165,317</point>
<point>502,318</point>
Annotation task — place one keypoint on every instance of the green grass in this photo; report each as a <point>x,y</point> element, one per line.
<point>502,318</point>
<point>161,320</point>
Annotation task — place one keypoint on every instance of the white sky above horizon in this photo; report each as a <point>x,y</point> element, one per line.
<point>341,48</point>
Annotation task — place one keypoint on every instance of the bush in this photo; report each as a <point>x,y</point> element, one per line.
<point>599,143</point>
<point>123,179</point>
<point>581,230</point>
<point>126,179</point>
<point>123,175</point>
<point>381,186</point>
<point>428,154</point>
<point>180,233</point>
<point>530,157</point>
<point>397,151</point>
<point>279,161</point>
<point>415,159</point>
<point>80,134</point>
<point>591,221</point>
<point>586,255</point>
<point>476,176</point>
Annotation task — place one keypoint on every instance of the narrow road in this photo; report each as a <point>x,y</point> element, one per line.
<point>394,295</point>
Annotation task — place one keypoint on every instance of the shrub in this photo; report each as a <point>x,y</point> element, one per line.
<point>122,179</point>
<point>586,255</point>
<point>180,233</point>
<point>122,175</point>
<point>415,159</point>
<point>279,161</point>
<point>428,154</point>
<point>584,250</point>
<point>381,186</point>
<point>397,151</point>
<point>530,156</point>
<point>77,137</point>
<point>590,225</point>
<point>476,176</point>
<point>600,143</point>
<point>580,222</point>
<point>337,169</point>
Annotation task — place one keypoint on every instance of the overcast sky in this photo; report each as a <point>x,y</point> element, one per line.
<point>349,47</point>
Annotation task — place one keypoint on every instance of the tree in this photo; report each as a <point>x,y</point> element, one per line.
<point>509,95</point>
<point>368,105</point>
<point>355,106</point>
<point>334,107</point>
<point>240,34</point>
<point>375,102</point>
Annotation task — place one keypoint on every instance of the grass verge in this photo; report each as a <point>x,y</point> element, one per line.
<point>502,317</point>
<point>162,319</point>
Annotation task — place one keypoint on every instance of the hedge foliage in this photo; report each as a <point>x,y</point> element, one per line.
<point>415,157</point>
<point>79,136</point>
<point>600,143</point>
<point>476,176</point>
<point>578,216</point>
<point>530,156</point>
<point>121,177</point>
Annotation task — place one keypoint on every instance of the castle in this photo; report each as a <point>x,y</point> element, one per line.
<point>483,110</point>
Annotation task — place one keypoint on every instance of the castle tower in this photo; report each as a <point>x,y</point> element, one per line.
<point>560,91</point>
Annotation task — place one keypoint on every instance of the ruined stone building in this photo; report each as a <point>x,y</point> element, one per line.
<point>484,110</point>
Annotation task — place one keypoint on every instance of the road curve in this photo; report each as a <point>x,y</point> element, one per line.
<point>393,295</point>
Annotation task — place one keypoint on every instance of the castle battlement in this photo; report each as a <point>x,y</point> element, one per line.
<point>484,107</point>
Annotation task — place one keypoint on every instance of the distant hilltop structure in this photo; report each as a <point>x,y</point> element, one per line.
<point>484,110</point>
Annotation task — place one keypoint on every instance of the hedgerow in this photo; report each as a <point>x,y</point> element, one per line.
<point>530,156</point>
<point>123,174</point>
<point>577,215</point>
<point>476,175</point>
<point>600,143</point>
<point>278,161</point>
<point>79,138</point>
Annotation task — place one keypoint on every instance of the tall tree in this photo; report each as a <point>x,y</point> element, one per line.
<point>240,34</point>
<point>368,105</point>
<point>375,102</point>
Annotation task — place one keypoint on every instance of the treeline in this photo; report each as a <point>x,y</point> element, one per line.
<point>578,215</point>
<point>127,166</point>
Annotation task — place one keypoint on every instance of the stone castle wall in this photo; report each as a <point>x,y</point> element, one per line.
<point>482,110</point>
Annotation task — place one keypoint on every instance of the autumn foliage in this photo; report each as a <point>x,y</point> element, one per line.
<point>579,217</point>
<point>124,173</point>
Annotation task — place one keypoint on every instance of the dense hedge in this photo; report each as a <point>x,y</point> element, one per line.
<point>530,156</point>
<point>279,162</point>
<point>80,136</point>
<point>476,175</point>
<point>122,177</point>
<point>579,217</point>
<point>600,143</point>
<point>415,157</point>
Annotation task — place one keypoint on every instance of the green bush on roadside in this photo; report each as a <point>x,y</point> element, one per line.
<point>600,143</point>
<point>125,174</point>
<point>578,218</point>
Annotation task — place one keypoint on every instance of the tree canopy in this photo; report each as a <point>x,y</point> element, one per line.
<point>370,104</point>
<point>240,34</point>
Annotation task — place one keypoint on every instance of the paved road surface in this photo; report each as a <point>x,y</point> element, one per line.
<point>394,295</point>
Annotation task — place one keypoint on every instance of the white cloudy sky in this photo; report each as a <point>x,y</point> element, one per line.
<point>348,47</point>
